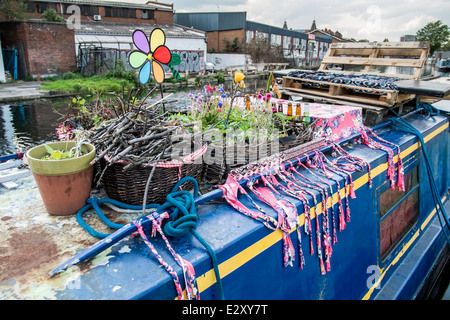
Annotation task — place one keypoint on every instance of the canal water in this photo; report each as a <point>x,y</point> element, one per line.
<point>24,125</point>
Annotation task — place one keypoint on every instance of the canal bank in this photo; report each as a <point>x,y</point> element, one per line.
<point>19,91</point>
<point>31,90</point>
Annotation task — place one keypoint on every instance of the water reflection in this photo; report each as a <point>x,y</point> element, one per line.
<point>28,124</point>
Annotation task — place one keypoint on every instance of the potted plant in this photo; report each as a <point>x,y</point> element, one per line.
<point>63,174</point>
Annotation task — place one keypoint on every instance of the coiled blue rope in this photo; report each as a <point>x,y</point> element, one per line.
<point>183,218</point>
<point>404,125</point>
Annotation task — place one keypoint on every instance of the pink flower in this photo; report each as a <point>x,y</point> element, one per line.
<point>260,96</point>
<point>268,96</point>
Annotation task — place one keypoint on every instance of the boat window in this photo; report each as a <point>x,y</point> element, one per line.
<point>399,212</point>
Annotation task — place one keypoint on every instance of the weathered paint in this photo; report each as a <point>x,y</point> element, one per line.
<point>249,254</point>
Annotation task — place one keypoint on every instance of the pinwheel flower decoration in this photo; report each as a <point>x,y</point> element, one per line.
<point>151,55</point>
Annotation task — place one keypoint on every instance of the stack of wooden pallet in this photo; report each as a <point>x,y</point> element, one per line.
<point>403,60</point>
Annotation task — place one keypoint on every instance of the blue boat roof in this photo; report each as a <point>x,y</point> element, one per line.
<point>127,270</point>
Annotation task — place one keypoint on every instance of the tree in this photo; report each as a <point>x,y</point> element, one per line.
<point>233,46</point>
<point>436,33</point>
<point>52,15</point>
<point>261,50</point>
<point>13,9</point>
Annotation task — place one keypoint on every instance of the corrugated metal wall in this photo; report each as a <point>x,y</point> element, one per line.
<point>212,21</point>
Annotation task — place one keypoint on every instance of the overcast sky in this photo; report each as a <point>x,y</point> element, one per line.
<point>372,20</point>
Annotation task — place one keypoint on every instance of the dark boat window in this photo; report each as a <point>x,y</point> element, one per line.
<point>399,212</point>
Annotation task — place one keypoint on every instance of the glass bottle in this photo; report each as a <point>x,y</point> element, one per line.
<point>306,118</point>
<point>298,109</point>
<point>289,109</point>
<point>247,99</point>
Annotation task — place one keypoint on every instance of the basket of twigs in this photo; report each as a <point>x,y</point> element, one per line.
<point>136,149</point>
<point>137,154</point>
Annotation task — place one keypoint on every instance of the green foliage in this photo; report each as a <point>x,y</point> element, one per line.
<point>62,154</point>
<point>13,9</point>
<point>436,33</point>
<point>52,16</point>
<point>211,107</point>
<point>28,78</point>
<point>220,77</point>
<point>233,46</point>
<point>119,71</point>
<point>89,85</point>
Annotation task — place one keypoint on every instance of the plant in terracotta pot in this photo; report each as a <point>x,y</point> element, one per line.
<point>63,174</point>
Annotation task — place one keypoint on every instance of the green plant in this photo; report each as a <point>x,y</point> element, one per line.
<point>28,78</point>
<point>87,85</point>
<point>13,9</point>
<point>220,77</point>
<point>437,33</point>
<point>52,15</point>
<point>198,81</point>
<point>63,154</point>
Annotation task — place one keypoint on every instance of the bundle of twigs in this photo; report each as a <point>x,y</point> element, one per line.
<point>141,134</point>
<point>134,139</point>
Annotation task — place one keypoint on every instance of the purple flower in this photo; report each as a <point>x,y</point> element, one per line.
<point>223,95</point>
<point>220,104</point>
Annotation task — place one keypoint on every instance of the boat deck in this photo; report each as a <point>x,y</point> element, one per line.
<point>33,243</point>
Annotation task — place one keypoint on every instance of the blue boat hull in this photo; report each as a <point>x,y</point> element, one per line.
<point>250,255</point>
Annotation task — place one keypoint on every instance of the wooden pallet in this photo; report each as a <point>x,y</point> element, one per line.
<point>371,55</point>
<point>366,58</point>
<point>345,92</point>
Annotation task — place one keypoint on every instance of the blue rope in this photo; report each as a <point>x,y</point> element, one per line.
<point>404,125</point>
<point>183,218</point>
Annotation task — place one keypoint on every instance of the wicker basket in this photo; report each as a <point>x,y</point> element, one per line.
<point>128,185</point>
<point>218,173</point>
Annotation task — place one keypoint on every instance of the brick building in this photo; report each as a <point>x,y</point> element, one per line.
<point>47,48</point>
<point>151,12</point>
<point>43,48</point>
<point>223,27</point>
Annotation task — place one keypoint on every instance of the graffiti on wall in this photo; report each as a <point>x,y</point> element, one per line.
<point>191,60</point>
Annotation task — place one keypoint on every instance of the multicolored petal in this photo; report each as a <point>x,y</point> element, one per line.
<point>137,59</point>
<point>141,41</point>
<point>157,38</point>
<point>162,54</point>
<point>158,72</point>
<point>144,74</point>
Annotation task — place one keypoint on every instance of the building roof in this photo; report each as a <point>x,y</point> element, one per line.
<point>212,21</point>
<point>219,21</point>
<point>127,29</point>
<point>326,34</point>
<point>132,4</point>
<point>250,25</point>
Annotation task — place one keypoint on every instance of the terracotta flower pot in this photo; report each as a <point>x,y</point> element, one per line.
<point>64,185</point>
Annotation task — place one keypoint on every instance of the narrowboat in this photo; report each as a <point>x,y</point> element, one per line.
<point>394,246</point>
<point>370,223</point>
<point>443,65</point>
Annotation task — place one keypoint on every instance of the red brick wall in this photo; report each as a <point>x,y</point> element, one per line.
<point>162,17</point>
<point>43,47</point>
<point>215,38</point>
